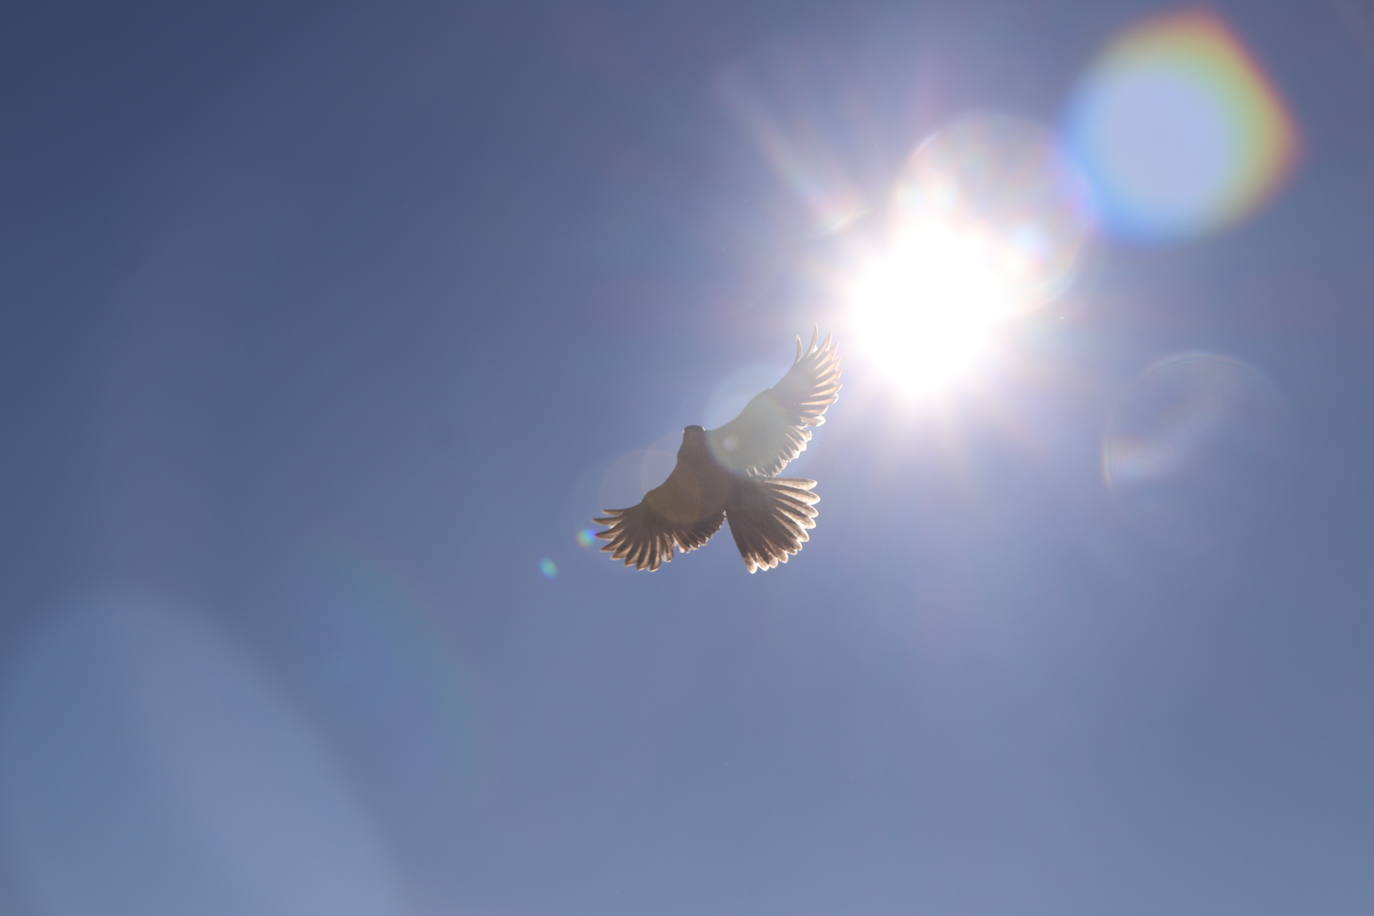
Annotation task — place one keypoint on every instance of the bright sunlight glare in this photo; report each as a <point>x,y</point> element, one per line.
<point>987,218</point>
<point>926,311</point>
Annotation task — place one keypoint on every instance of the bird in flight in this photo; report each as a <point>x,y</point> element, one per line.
<point>729,474</point>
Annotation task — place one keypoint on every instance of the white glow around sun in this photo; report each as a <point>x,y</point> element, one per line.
<point>927,309</point>
<point>984,226</point>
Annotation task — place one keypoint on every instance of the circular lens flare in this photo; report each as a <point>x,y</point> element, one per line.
<point>1179,129</point>
<point>1186,453</point>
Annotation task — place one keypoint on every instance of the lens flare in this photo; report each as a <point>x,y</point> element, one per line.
<point>1184,440</point>
<point>586,537</point>
<point>784,98</point>
<point>154,732</point>
<point>1006,180</point>
<point>1179,412</point>
<point>1179,130</point>
<point>337,604</point>
<point>626,479</point>
<point>548,568</point>
<point>986,224</point>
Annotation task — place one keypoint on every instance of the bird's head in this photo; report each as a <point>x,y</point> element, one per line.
<point>693,437</point>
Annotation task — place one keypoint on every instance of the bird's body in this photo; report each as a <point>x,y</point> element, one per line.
<point>727,473</point>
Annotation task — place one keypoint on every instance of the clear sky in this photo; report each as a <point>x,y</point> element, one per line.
<point>329,326</point>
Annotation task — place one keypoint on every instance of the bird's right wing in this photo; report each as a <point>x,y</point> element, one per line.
<point>670,514</point>
<point>772,428</point>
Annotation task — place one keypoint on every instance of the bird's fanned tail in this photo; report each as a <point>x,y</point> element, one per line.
<point>769,518</point>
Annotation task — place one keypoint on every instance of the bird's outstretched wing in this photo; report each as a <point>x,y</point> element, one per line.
<point>675,513</point>
<point>772,428</point>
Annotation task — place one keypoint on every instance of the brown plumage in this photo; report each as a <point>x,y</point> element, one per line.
<point>728,474</point>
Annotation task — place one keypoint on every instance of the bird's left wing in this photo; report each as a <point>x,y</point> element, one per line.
<point>773,427</point>
<point>671,514</point>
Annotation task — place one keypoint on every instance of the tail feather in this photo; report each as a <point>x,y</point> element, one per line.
<point>769,518</point>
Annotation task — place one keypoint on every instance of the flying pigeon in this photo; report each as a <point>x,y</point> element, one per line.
<point>729,474</point>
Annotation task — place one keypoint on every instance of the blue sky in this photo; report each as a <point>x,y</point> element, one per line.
<point>328,323</point>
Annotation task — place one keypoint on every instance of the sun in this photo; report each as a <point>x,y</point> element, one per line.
<point>926,310</point>
<point>985,225</point>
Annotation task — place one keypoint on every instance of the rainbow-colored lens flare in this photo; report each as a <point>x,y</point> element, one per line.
<point>548,568</point>
<point>1179,130</point>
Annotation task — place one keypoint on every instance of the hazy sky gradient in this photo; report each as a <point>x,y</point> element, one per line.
<point>327,323</point>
